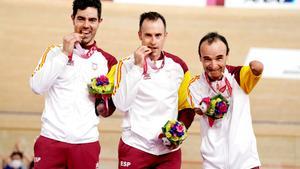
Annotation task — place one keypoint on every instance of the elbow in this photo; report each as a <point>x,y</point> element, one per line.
<point>35,87</point>
<point>121,107</point>
<point>121,103</point>
<point>37,91</point>
<point>186,116</point>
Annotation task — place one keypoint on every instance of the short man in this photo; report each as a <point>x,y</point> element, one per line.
<point>69,136</point>
<point>150,89</point>
<point>228,141</point>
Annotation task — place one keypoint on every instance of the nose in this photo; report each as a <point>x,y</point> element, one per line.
<point>153,40</point>
<point>86,24</point>
<point>213,65</point>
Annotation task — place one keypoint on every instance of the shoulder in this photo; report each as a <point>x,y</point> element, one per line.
<point>194,81</point>
<point>127,59</point>
<point>235,72</point>
<point>177,60</point>
<point>126,62</point>
<point>110,58</point>
<point>198,88</point>
<point>52,50</point>
<point>233,69</point>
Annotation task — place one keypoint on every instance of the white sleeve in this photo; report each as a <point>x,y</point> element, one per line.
<point>195,95</point>
<point>53,62</point>
<point>127,80</point>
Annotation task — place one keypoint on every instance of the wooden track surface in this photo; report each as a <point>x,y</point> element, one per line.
<point>28,27</point>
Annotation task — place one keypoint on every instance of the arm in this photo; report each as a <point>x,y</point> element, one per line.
<point>127,80</point>
<point>186,116</point>
<point>26,157</point>
<point>5,160</point>
<point>50,66</point>
<point>256,67</point>
<point>186,113</point>
<point>128,76</point>
<point>250,75</point>
<point>100,103</point>
<point>194,96</point>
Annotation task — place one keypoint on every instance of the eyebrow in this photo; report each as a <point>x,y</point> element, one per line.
<point>150,34</point>
<point>83,17</point>
<point>206,57</point>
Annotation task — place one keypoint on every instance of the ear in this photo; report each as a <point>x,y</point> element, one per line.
<point>140,35</point>
<point>100,20</point>
<point>73,19</point>
<point>200,58</point>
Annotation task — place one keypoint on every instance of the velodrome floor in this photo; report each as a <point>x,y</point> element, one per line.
<point>28,27</point>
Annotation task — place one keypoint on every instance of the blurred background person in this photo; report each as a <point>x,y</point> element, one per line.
<point>17,159</point>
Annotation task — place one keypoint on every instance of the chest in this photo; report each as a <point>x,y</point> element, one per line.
<point>162,83</point>
<point>83,70</point>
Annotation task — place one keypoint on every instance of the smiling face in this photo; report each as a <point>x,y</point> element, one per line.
<point>86,22</point>
<point>213,58</point>
<point>153,34</point>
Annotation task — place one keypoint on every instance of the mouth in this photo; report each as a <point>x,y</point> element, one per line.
<point>85,33</point>
<point>214,71</point>
<point>215,74</point>
<point>153,48</point>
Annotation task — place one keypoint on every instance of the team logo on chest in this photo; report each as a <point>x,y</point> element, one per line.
<point>94,66</point>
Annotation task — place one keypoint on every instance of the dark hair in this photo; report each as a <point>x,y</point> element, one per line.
<point>153,16</point>
<point>210,38</point>
<point>19,153</point>
<point>83,4</point>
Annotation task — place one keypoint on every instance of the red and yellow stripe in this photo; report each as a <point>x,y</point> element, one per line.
<point>119,74</point>
<point>183,92</point>
<point>189,92</point>
<point>43,59</point>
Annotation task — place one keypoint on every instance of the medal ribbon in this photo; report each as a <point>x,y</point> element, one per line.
<point>82,53</point>
<point>147,62</point>
<point>222,88</point>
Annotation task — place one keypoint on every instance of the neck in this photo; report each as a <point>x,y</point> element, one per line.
<point>157,57</point>
<point>89,45</point>
<point>213,80</point>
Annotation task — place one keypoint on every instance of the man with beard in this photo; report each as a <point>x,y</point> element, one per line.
<point>69,135</point>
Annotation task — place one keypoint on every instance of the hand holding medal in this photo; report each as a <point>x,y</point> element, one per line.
<point>140,56</point>
<point>142,59</point>
<point>68,45</point>
<point>72,41</point>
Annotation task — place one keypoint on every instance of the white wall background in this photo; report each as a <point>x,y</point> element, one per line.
<point>166,2</point>
<point>295,4</point>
